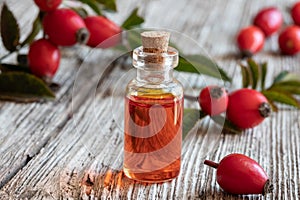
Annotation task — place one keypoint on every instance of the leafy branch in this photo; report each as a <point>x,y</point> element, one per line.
<point>18,75</point>
<point>10,34</point>
<point>282,90</point>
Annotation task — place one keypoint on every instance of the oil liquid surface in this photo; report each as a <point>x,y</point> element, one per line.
<point>153,134</point>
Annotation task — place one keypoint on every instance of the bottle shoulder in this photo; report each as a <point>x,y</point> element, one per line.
<point>137,88</point>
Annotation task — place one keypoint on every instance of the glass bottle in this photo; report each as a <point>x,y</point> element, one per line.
<point>153,113</point>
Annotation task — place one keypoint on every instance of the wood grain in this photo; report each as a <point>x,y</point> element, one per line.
<point>72,148</point>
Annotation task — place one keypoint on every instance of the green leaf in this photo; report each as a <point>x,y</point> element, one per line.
<point>10,67</point>
<point>134,39</point>
<point>36,27</point>
<point>286,82</point>
<point>273,106</point>
<point>227,125</point>
<point>109,5</point>
<point>254,72</point>
<point>280,76</point>
<point>224,75</point>
<point>201,64</point>
<point>190,118</point>
<point>10,31</point>
<point>93,5</point>
<point>292,87</point>
<point>264,69</point>
<point>133,20</point>
<point>81,12</point>
<point>281,97</point>
<point>291,77</point>
<point>245,76</point>
<point>24,87</point>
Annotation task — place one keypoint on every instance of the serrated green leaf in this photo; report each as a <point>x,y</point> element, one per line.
<point>24,87</point>
<point>36,27</point>
<point>10,32</point>
<point>245,76</point>
<point>190,118</point>
<point>280,76</point>
<point>133,20</point>
<point>93,5</point>
<point>201,64</point>
<point>11,67</point>
<point>253,66</point>
<point>281,97</point>
<point>109,5</point>
<point>226,124</point>
<point>292,87</point>
<point>264,69</point>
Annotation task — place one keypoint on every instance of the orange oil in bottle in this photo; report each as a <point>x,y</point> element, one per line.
<point>153,134</point>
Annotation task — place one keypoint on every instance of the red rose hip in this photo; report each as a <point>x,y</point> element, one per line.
<point>47,5</point>
<point>250,40</point>
<point>101,29</point>
<point>213,100</point>
<point>65,27</point>
<point>269,20</point>
<point>247,108</point>
<point>239,174</point>
<point>43,58</point>
<point>289,40</point>
<point>295,12</point>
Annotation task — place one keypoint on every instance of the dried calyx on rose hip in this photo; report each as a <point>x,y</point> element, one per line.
<point>213,100</point>
<point>239,174</point>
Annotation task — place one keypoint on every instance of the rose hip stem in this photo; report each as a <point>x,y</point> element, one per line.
<point>190,97</point>
<point>211,164</point>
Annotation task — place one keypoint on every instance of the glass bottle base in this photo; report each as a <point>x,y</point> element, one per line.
<point>152,177</point>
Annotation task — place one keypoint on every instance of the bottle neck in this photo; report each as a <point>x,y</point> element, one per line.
<point>154,77</point>
<point>155,68</point>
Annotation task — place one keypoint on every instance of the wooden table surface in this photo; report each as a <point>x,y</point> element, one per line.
<point>72,148</point>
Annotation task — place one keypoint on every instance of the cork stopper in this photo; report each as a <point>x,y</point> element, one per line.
<point>155,41</point>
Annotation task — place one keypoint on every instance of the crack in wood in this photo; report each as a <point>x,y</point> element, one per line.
<point>28,157</point>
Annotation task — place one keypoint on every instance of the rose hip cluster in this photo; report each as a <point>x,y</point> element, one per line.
<point>245,108</point>
<point>64,27</point>
<point>267,22</point>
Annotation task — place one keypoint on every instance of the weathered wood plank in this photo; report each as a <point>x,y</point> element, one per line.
<point>27,128</point>
<point>82,158</point>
